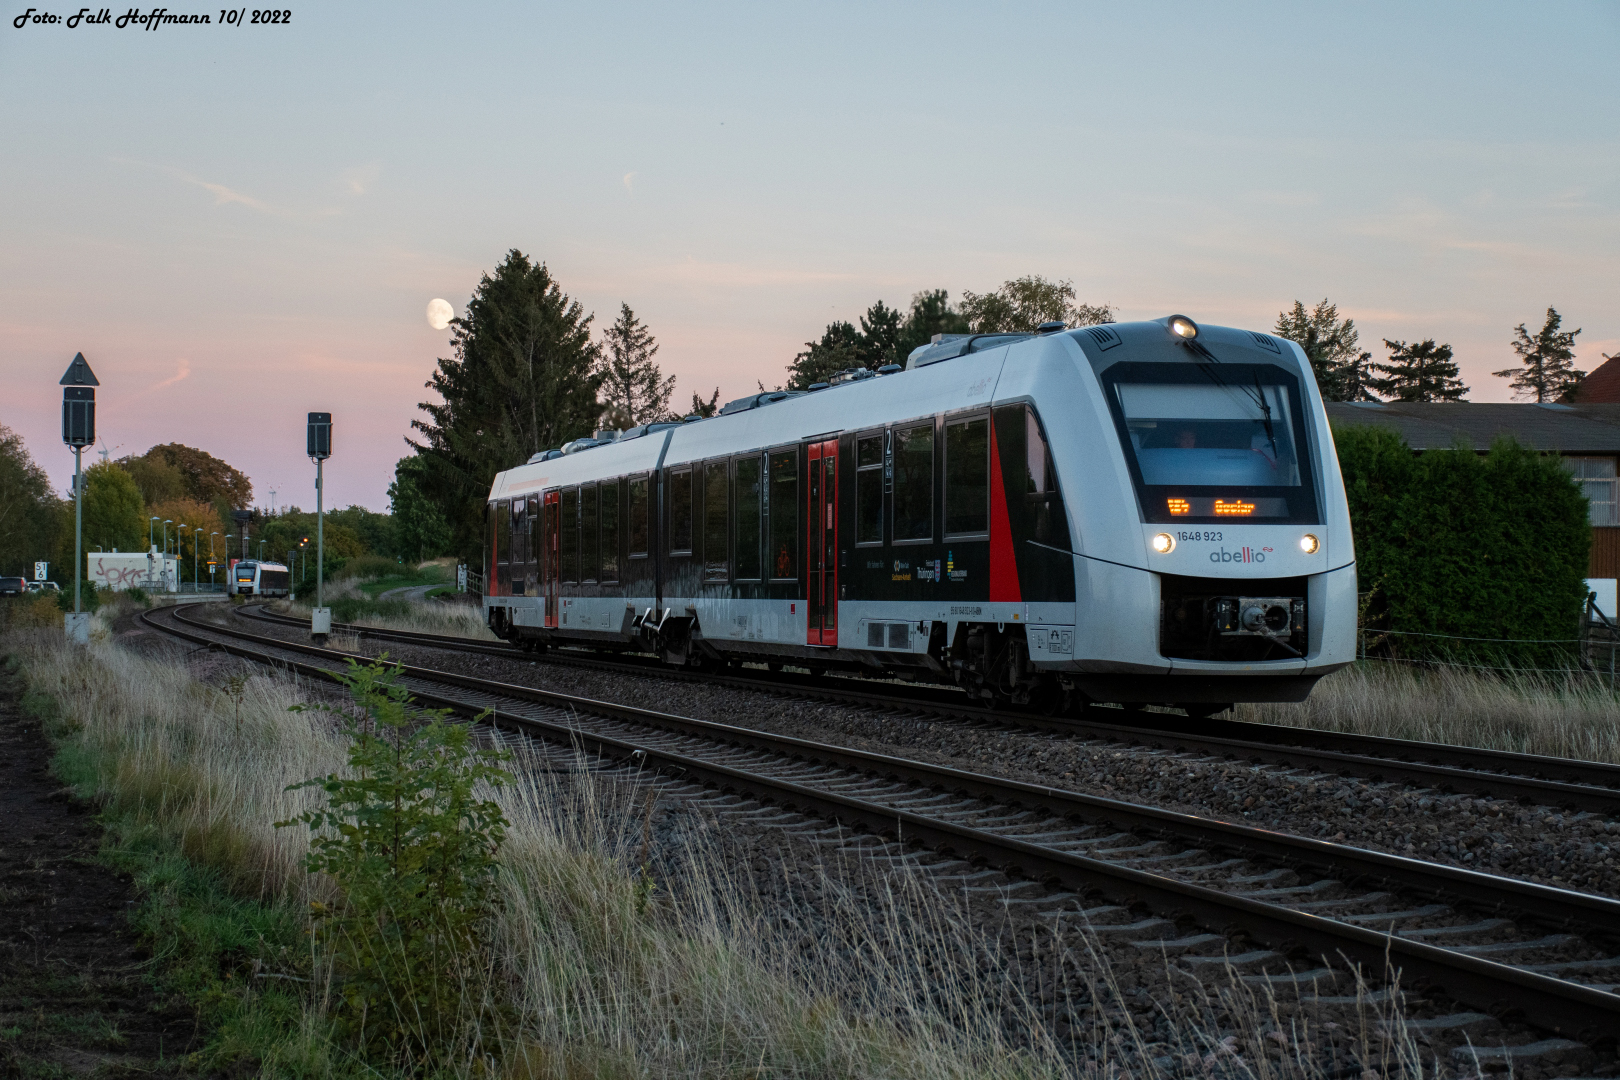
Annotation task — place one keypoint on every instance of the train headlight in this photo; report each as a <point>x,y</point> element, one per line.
<point>1309,543</point>
<point>1183,327</point>
<point>1164,543</point>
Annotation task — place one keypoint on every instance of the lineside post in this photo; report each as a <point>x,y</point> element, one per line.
<point>78,431</point>
<point>319,446</point>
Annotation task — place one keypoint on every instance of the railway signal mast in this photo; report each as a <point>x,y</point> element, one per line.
<point>78,431</point>
<point>320,448</point>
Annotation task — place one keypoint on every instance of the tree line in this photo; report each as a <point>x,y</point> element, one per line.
<point>147,498</point>
<point>1425,370</point>
<point>527,373</point>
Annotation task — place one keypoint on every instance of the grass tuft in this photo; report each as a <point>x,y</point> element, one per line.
<point>1561,714</point>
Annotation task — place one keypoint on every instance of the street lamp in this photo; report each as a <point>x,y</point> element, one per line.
<point>319,444</point>
<point>78,431</point>
<point>211,563</point>
<point>151,551</point>
<point>196,550</point>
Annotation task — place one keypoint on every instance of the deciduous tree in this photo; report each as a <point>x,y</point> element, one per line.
<point>1548,372</point>
<point>420,530</point>
<point>1023,304</point>
<point>1421,371</point>
<point>114,515</point>
<point>203,476</point>
<point>1332,346</point>
<point>634,390</point>
<point>28,511</point>
<point>190,513</point>
<point>156,479</point>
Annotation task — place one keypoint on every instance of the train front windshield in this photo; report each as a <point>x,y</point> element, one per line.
<point>1214,442</point>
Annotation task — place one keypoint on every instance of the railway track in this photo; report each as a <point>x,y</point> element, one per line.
<point>1578,785</point>
<point>1549,956</point>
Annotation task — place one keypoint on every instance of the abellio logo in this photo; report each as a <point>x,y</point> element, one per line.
<point>1243,555</point>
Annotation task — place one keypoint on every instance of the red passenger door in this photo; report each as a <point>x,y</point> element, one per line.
<point>821,543</point>
<point>551,564</point>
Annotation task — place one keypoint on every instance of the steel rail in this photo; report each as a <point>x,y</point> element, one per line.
<point>1589,786</point>
<point>1551,1003</point>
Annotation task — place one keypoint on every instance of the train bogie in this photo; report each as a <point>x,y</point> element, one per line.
<point>1129,513</point>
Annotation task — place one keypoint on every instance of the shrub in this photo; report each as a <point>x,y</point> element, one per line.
<point>364,567</point>
<point>138,594</point>
<point>89,600</point>
<point>1458,545</point>
<point>351,608</point>
<point>31,611</point>
<point>414,852</point>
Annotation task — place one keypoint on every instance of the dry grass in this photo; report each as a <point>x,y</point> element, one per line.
<point>1569,715</point>
<point>425,617</point>
<point>608,973</point>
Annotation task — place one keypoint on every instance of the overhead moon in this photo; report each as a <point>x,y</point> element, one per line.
<point>439,313</point>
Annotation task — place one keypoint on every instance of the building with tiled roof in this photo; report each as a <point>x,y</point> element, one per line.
<point>1601,387</point>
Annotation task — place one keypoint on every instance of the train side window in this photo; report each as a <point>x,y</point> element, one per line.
<point>784,510</point>
<point>638,517</point>
<point>515,553</point>
<point>746,497</point>
<point>869,489</point>
<point>610,531</point>
<point>967,477</point>
<point>914,483</point>
<point>680,511</point>
<point>716,559</point>
<point>501,535</point>
<point>590,537</point>
<point>492,537</point>
<point>1045,501</point>
<point>569,528</point>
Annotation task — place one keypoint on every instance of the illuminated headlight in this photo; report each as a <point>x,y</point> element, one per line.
<point>1309,543</point>
<point>1183,327</point>
<point>1164,543</point>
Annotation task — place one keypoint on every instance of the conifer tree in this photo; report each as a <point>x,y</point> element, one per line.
<point>838,350</point>
<point>634,390</point>
<point>522,379</point>
<point>705,409</point>
<point>1331,345</point>
<point>1548,372</point>
<point>1421,371</point>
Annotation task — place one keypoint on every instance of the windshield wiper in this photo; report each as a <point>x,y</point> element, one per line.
<point>1258,396</point>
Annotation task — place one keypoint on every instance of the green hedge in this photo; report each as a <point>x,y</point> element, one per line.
<point>1459,545</point>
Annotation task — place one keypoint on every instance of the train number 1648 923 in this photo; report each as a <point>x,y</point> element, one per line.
<point>1213,537</point>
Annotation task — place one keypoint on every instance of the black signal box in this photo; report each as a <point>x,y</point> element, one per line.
<point>320,435</point>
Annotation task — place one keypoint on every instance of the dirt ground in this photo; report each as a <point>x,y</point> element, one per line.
<point>76,996</point>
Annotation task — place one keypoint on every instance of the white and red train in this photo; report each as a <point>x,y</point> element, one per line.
<point>1139,513</point>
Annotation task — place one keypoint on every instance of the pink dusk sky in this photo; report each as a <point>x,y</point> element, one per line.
<point>239,224</point>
